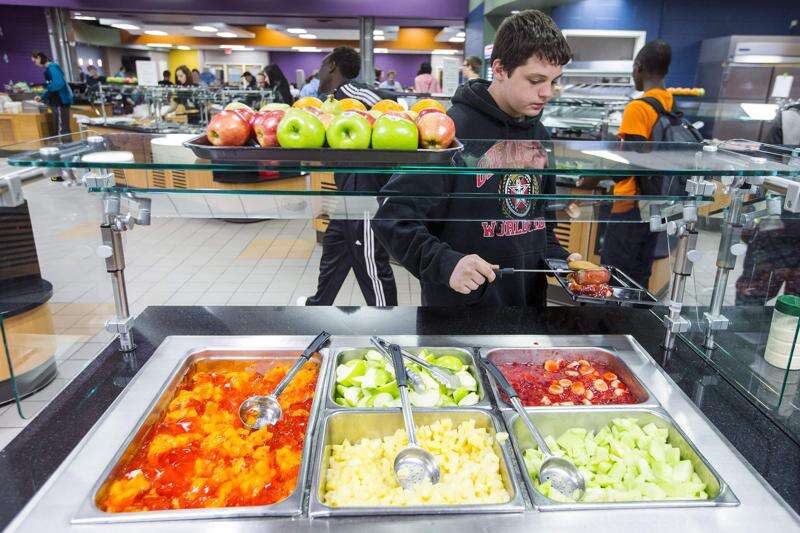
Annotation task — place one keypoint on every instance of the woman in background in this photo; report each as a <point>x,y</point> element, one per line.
<point>425,82</point>
<point>57,95</point>
<point>248,80</point>
<point>183,80</point>
<point>279,84</point>
<point>391,82</point>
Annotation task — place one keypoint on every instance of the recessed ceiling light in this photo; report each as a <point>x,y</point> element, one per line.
<point>444,51</point>
<point>207,29</point>
<point>226,34</point>
<point>377,32</point>
<point>155,32</point>
<point>159,45</point>
<point>307,36</point>
<point>461,34</point>
<point>306,48</point>
<point>122,26</point>
<point>232,46</point>
<point>381,50</point>
<point>456,39</point>
<point>83,17</point>
<point>295,30</point>
<point>379,38</point>
<point>183,47</point>
<point>515,11</point>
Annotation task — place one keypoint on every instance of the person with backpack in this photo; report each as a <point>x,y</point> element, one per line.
<point>58,94</point>
<point>628,245</point>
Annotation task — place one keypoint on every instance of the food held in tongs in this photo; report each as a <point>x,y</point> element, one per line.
<point>588,279</point>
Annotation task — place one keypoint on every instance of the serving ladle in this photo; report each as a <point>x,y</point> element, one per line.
<point>258,411</point>
<point>413,465</point>
<point>560,472</point>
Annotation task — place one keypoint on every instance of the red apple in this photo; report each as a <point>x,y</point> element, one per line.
<point>428,110</point>
<point>265,127</point>
<point>313,110</point>
<point>400,114</point>
<point>436,130</point>
<point>326,119</point>
<point>366,114</point>
<point>228,128</point>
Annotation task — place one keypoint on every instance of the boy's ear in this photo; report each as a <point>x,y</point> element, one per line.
<point>498,72</point>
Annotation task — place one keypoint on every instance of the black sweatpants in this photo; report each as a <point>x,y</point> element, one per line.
<point>59,121</point>
<point>350,244</point>
<point>629,245</point>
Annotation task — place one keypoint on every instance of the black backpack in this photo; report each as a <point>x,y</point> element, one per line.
<point>670,127</point>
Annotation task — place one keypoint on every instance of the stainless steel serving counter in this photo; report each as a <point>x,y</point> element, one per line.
<point>58,504</point>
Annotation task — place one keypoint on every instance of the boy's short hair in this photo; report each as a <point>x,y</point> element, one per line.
<point>347,60</point>
<point>654,58</point>
<point>526,34</point>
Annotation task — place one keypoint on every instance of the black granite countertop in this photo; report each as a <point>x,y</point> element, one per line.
<point>27,462</point>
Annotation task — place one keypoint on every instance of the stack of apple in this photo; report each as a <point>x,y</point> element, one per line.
<point>342,124</point>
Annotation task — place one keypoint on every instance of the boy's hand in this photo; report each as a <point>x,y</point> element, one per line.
<point>470,273</point>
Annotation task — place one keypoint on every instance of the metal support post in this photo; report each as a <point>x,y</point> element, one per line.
<point>685,255</point>
<point>366,41</point>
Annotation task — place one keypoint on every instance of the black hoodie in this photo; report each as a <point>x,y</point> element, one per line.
<point>429,235</point>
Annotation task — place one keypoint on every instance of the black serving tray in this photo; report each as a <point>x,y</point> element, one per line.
<point>626,291</point>
<point>203,149</point>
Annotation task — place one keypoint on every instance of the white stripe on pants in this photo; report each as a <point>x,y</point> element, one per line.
<point>369,260</point>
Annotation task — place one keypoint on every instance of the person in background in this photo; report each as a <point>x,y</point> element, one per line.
<point>391,82</point>
<point>311,88</point>
<point>207,77</point>
<point>58,94</point>
<point>262,81</point>
<point>627,245</point>
<point>279,84</point>
<point>166,79</point>
<point>93,78</point>
<point>196,77</point>
<point>425,82</point>
<point>183,79</point>
<point>471,68</point>
<point>453,246</point>
<point>121,72</point>
<point>350,244</point>
<point>248,80</point>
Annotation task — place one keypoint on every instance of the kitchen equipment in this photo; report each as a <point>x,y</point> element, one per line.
<point>440,374</point>
<point>625,291</point>
<point>416,381</point>
<point>266,409</point>
<point>413,465</point>
<point>561,473</point>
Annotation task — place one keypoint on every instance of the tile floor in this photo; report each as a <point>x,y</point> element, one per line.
<point>186,262</point>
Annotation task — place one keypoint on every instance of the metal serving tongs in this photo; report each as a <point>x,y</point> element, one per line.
<point>265,410</point>
<point>413,377</point>
<point>560,472</point>
<point>413,464</point>
<point>506,271</point>
<point>440,374</point>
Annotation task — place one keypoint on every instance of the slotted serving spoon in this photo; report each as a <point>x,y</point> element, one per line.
<point>560,472</point>
<point>259,411</point>
<point>439,373</point>
<point>413,464</point>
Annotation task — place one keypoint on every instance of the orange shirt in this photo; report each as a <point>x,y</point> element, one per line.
<point>638,119</point>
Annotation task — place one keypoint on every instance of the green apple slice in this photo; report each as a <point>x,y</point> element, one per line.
<point>389,388</point>
<point>382,399</point>
<point>469,399</point>
<point>467,381</point>
<point>450,362</point>
<point>373,355</point>
<point>355,370</point>
<point>428,398</point>
<point>459,394</point>
<point>352,395</point>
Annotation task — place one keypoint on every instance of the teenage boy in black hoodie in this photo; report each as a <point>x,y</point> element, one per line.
<point>454,260</point>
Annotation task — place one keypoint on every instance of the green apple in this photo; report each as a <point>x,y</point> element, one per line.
<point>300,129</point>
<point>331,106</point>
<point>275,105</point>
<point>349,132</point>
<point>394,133</point>
<point>237,105</point>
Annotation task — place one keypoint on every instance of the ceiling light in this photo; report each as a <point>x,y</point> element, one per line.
<point>183,47</point>
<point>307,36</point>
<point>159,45</point>
<point>99,62</point>
<point>380,50</point>
<point>83,17</point>
<point>456,39</point>
<point>377,32</point>
<point>378,38</point>
<point>515,11</point>
<point>123,26</point>
<point>232,46</point>
<point>295,30</point>
<point>226,34</point>
<point>207,29</point>
<point>306,48</point>
<point>155,32</point>
<point>444,51</point>
<point>461,34</point>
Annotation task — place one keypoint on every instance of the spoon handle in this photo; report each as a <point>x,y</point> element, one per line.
<point>400,375</point>
<point>516,403</point>
<point>312,348</point>
<point>440,374</point>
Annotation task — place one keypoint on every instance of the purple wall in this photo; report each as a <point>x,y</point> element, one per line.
<point>406,65</point>
<point>445,9</point>
<point>24,30</point>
